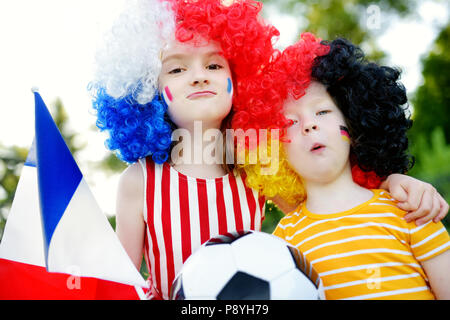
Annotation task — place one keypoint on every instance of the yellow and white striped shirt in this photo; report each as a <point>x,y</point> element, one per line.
<point>368,252</point>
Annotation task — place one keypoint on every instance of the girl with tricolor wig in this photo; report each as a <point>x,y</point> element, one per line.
<point>165,68</point>
<point>376,162</point>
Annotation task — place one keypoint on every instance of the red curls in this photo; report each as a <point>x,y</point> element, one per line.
<point>368,180</point>
<point>245,39</point>
<point>262,95</point>
<point>295,64</point>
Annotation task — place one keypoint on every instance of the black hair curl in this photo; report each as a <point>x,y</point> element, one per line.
<point>373,103</point>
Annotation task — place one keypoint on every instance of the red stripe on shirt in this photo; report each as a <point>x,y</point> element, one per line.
<point>150,218</point>
<point>203,210</point>
<point>236,203</point>
<point>250,201</point>
<point>188,231</point>
<point>221,211</point>
<point>262,201</point>
<point>167,225</point>
<point>184,217</point>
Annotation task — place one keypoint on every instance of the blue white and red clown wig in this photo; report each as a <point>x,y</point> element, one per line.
<point>125,89</point>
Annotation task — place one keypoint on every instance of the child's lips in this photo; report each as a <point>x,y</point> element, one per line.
<point>317,148</point>
<point>200,94</point>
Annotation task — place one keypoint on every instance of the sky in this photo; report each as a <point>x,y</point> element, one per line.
<point>50,44</point>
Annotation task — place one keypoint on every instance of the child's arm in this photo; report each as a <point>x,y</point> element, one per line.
<point>437,270</point>
<point>130,225</point>
<point>421,199</point>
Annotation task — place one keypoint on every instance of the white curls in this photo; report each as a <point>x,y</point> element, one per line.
<point>128,62</point>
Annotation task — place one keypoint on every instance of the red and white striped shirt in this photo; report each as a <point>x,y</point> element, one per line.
<point>183,212</point>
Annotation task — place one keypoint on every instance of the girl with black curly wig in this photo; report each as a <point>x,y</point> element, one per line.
<point>372,102</point>
<point>353,111</point>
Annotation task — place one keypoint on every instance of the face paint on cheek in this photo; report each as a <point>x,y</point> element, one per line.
<point>230,87</point>
<point>344,134</point>
<point>168,98</point>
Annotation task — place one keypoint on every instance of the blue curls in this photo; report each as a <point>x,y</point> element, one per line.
<point>135,130</point>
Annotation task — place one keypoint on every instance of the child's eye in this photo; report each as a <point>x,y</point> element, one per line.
<point>176,70</point>
<point>322,112</point>
<point>214,66</point>
<point>292,122</point>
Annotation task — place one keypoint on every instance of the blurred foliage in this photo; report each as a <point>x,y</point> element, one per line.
<point>272,215</point>
<point>111,164</point>
<point>61,119</point>
<point>12,159</point>
<point>430,133</point>
<point>432,99</point>
<point>358,20</point>
<point>432,155</point>
<point>433,160</point>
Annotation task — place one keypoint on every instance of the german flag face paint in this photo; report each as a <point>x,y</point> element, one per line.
<point>344,133</point>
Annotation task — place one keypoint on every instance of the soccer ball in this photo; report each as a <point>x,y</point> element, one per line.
<point>246,265</point>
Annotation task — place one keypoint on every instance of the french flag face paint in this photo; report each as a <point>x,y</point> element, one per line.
<point>168,98</point>
<point>344,133</point>
<point>230,87</point>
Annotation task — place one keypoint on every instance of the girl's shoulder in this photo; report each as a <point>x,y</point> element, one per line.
<point>131,180</point>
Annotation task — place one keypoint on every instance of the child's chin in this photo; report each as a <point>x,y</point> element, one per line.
<point>322,176</point>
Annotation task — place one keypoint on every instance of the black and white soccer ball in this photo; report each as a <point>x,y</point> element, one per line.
<point>246,265</point>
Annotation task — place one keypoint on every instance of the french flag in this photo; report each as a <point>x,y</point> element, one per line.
<point>57,243</point>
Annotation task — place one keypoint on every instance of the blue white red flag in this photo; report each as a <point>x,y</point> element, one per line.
<point>55,223</point>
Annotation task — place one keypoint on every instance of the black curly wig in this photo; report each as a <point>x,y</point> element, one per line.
<point>373,104</point>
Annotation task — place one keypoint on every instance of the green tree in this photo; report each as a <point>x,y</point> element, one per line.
<point>430,133</point>
<point>12,159</point>
<point>432,99</point>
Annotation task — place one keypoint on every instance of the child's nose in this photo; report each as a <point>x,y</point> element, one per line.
<point>200,77</point>
<point>200,80</point>
<point>309,127</point>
